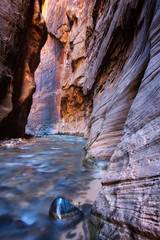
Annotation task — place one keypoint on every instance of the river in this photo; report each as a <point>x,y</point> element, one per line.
<point>32,174</point>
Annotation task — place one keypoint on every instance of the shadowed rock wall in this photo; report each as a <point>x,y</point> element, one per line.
<point>106,88</point>
<point>22,35</point>
<point>115,71</point>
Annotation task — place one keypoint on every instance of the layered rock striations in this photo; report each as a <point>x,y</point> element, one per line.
<point>45,111</point>
<point>12,24</point>
<point>115,71</point>
<point>22,35</point>
<point>59,103</point>
<point>128,206</point>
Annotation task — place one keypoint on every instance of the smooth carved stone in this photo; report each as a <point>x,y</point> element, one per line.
<point>60,75</point>
<point>45,112</point>
<point>63,210</point>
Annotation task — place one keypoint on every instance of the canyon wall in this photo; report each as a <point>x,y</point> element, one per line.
<point>22,35</point>
<point>128,206</point>
<point>59,103</point>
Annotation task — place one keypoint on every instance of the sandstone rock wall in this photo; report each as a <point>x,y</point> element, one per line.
<point>22,35</point>
<point>45,112</point>
<point>128,206</point>
<point>11,26</point>
<point>64,69</point>
<point>115,70</point>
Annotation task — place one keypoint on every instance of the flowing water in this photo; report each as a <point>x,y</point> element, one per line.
<point>32,174</point>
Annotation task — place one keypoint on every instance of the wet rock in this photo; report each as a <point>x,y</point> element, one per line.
<point>13,142</point>
<point>63,210</point>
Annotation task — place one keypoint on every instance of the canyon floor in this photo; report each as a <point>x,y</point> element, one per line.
<point>33,173</point>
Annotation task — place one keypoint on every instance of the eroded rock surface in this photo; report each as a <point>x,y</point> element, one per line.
<point>22,35</point>
<point>59,102</point>
<point>115,70</point>
<point>45,111</point>
<point>129,202</point>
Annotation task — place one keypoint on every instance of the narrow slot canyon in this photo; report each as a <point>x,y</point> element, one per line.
<point>80,119</point>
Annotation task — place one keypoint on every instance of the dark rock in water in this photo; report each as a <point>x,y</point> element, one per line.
<point>62,209</point>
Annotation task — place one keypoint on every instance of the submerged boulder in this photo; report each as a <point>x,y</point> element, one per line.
<point>63,210</point>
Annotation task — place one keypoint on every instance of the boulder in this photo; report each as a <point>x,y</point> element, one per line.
<point>63,210</point>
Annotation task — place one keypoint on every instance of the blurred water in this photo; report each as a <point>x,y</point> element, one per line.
<point>32,175</point>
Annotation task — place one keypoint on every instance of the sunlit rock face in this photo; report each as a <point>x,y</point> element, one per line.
<point>59,104</point>
<point>22,35</point>
<point>45,111</point>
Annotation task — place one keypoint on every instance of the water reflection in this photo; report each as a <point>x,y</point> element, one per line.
<point>32,175</point>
